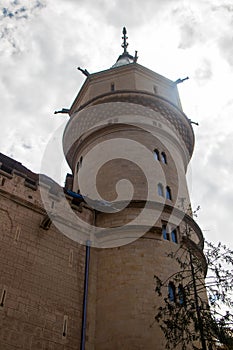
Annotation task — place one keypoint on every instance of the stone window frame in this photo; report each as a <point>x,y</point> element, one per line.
<point>168,193</point>
<point>172,292</point>
<point>160,189</point>
<point>167,230</point>
<point>163,157</point>
<point>156,154</point>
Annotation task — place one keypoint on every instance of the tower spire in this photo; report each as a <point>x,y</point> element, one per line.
<point>124,44</point>
<point>125,57</point>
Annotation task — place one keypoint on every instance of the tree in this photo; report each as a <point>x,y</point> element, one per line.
<point>197,311</point>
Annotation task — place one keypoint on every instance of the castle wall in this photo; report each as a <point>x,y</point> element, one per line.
<point>41,275</point>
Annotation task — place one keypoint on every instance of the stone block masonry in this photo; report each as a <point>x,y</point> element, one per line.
<point>41,275</point>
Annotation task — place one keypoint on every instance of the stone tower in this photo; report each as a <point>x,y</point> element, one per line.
<point>128,144</point>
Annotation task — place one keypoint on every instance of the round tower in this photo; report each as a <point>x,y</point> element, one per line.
<point>128,144</point>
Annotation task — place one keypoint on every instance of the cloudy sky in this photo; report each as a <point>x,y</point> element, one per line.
<point>43,41</point>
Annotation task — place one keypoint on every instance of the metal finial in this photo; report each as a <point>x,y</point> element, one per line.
<point>125,57</point>
<point>135,57</point>
<point>125,44</point>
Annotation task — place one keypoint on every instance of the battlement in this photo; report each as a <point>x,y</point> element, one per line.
<point>37,192</point>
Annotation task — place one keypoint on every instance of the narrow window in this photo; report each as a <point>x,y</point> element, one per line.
<point>165,233</point>
<point>156,154</point>
<point>77,168</point>
<point>65,324</point>
<point>164,158</point>
<point>160,190</point>
<point>174,236</point>
<point>155,89</point>
<point>112,87</point>
<point>171,292</point>
<point>17,233</point>
<point>168,193</point>
<point>81,161</point>
<point>181,295</point>
<point>2,181</point>
<point>3,297</point>
<point>71,258</point>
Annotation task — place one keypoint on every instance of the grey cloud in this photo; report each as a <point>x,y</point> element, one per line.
<point>227,7</point>
<point>198,23</point>
<point>189,25</point>
<point>188,36</point>
<point>216,204</point>
<point>127,13</point>
<point>204,72</point>
<point>10,18</point>
<point>224,15</point>
<point>225,44</point>
<point>8,41</point>
<point>36,80</point>
<point>212,169</point>
<point>221,156</point>
<point>138,13</point>
<point>26,146</point>
<point>39,4</point>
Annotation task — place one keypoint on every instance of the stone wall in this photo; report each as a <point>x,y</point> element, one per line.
<point>41,274</point>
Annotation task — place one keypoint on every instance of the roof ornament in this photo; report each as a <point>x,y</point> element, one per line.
<point>135,57</point>
<point>125,44</point>
<point>125,57</point>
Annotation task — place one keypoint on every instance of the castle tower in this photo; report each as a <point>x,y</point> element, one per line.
<point>128,144</point>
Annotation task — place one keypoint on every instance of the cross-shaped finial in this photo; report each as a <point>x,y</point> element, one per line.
<point>125,44</point>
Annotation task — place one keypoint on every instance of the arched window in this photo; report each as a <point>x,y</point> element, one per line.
<point>81,161</point>
<point>181,294</point>
<point>165,233</point>
<point>156,154</point>
<point>164,158</point>
<point>174,236</point>
<point>2,181</point>
<point>160,190</point>
<point>171,292</point>
<point>168,193</point>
